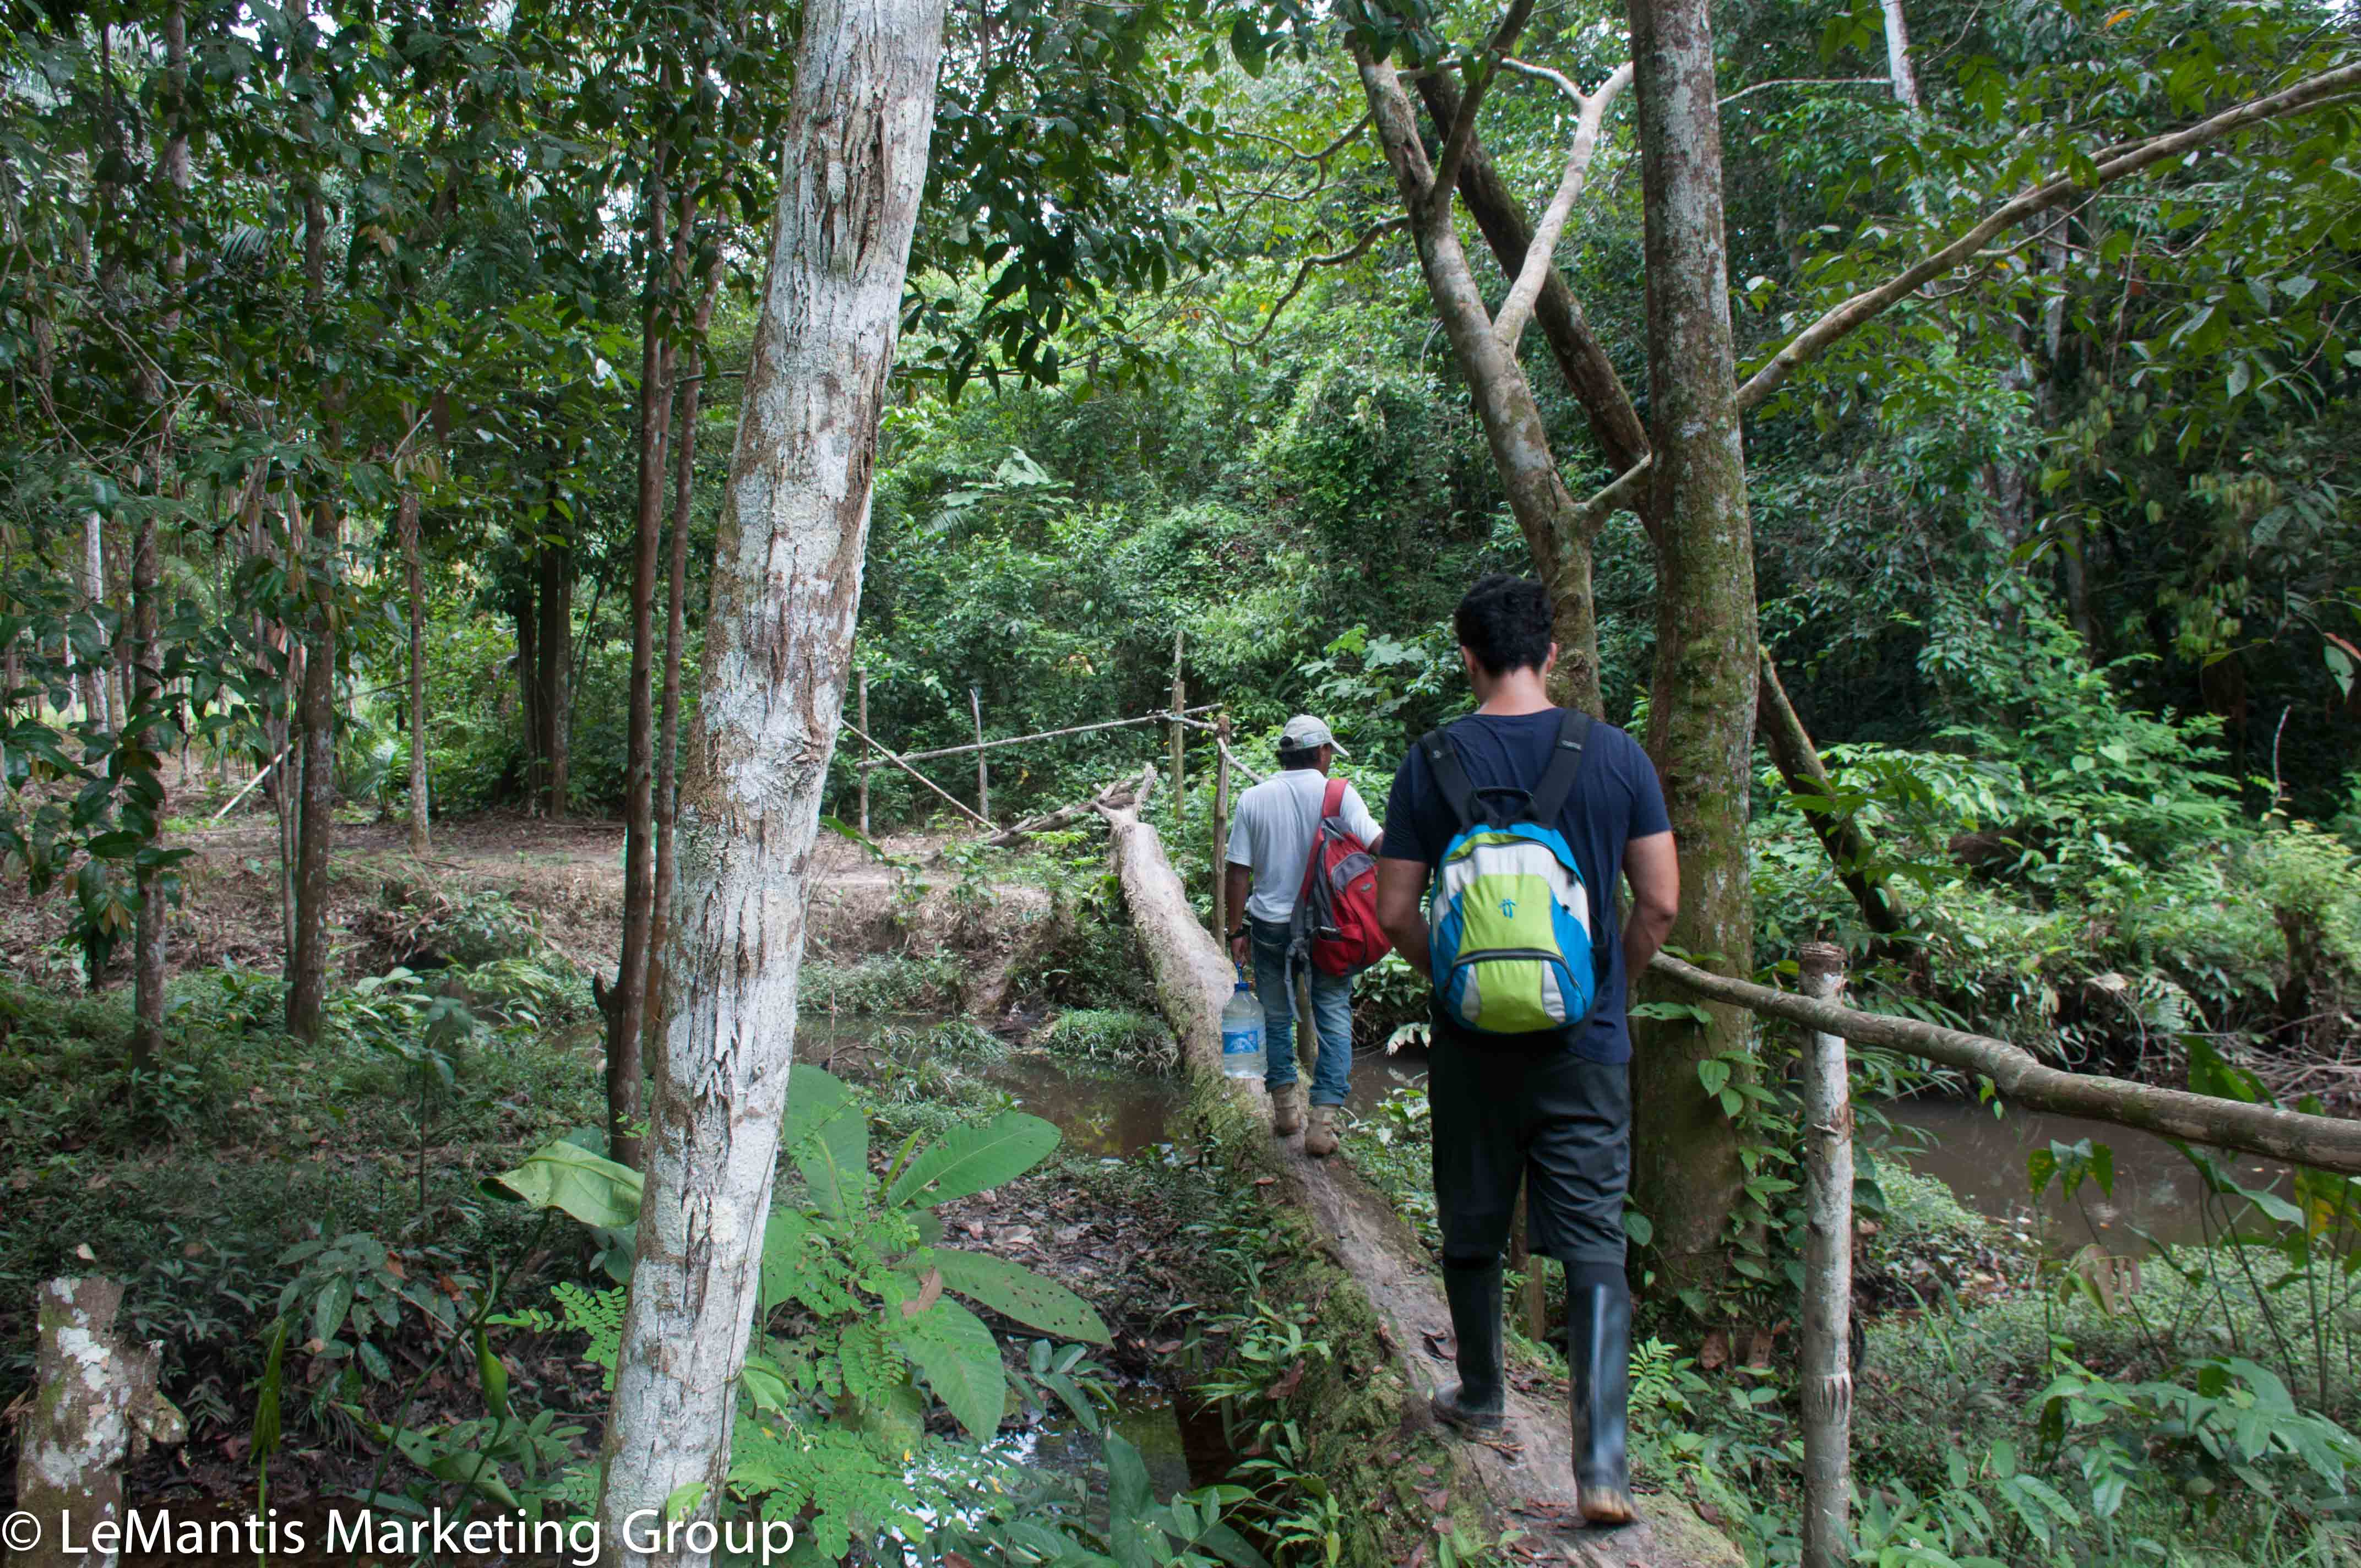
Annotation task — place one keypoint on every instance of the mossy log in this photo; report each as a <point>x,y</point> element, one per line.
<point>1383,1282</point>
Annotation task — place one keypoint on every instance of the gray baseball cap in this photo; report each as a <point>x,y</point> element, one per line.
<point>1305,733</point>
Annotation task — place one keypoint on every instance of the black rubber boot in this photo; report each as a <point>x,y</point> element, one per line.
<point>1476,1401</point>
<point>1598,1348</point>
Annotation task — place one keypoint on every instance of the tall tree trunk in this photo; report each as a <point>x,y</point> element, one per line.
<point>555,646</point>
<point>527,616</point>
<point>786,585</point>
<point>1554,531</point>
<point>316,711</point>
<point>147,658</point>
<point>420,831</point>
<point>1686,1169</point>
<point>1897,57</point>
<point>626,1005</point>
<point>94,706</point>
<point>684,496</point>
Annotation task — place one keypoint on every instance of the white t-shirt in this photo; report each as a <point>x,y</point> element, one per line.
<point>1272,831</point>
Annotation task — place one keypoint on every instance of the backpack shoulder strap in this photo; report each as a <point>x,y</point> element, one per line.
<point>1566,761</point>
<point>1332,799</point>
<point>1450,776</point>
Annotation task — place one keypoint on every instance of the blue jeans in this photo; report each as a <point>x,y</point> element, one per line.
<point>1332,1011</point>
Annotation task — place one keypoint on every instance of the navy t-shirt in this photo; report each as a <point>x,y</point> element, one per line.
<point>1615,798</point>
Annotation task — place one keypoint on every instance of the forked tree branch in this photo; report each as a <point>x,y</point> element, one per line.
<point>1518,308</point>
<point>1462,129</point>
<point>2116,163</point>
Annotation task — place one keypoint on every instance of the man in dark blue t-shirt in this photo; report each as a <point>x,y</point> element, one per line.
<point>1551,1111</point>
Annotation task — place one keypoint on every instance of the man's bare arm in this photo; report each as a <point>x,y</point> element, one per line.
<point>1402,910</point>
<point>1654,868</point>
<point>1237,884</point>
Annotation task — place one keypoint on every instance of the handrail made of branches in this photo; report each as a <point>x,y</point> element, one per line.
<point>2323,1143</point>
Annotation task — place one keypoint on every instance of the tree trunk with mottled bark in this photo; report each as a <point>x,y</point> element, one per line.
<point>421,830</point>
<point>626,1004</point>
<point>95,1408</point>
<point>1686,1169</point>
<point>1897,57</point>
<point>95,708</point>
<point>786,585</point>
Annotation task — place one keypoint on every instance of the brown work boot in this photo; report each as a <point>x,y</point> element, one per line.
<point>1287,1111</point>
<point>1321,1141</point>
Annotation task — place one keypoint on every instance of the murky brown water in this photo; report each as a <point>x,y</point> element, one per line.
<point>1109,1113</point>
<point>2157,1195</point>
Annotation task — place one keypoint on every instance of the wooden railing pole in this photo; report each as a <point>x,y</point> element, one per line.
<point>861,683</point>
<point>1828,1273</point>
<point>1222,830</point>
<point>982,771</point>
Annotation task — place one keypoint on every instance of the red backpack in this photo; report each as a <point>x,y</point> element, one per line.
<point>1336,908</point>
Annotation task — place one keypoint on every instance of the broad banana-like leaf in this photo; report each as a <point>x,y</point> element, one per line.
<point>814,1096</point>
<point>960,1362</point>
<point>1015,1291</point>
<point>972,1159</point>
<point>834,1159</point>
<point>595,1191</point>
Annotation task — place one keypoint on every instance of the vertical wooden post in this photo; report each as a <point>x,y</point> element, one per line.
<point>1180,735</point>
<point>1222,830</point>
<point>861,686</point>
<point>982,771</point>
<point>1828,1275</point>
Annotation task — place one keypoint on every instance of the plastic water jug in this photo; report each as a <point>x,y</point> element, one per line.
<point>1242,1054</point>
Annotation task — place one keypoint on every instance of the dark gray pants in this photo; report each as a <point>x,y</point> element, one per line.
<point>1559,1124</point>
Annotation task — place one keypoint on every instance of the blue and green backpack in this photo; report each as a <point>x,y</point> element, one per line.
<point>1508,917</point>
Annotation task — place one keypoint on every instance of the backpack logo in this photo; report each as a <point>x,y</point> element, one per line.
<point>1508,909</point>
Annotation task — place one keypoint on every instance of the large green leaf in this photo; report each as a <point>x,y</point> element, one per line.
<point>1015,1291</point>
<point>1129,1531</point>
<point>836,1162</point>
<point>972,1159</point>
<point>595,1191</point>
<point>960,1362</point>
<point>814,1096</point>
<point>1230,1546</point>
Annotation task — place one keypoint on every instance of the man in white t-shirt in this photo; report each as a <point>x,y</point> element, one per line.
<point>1270,843</point>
